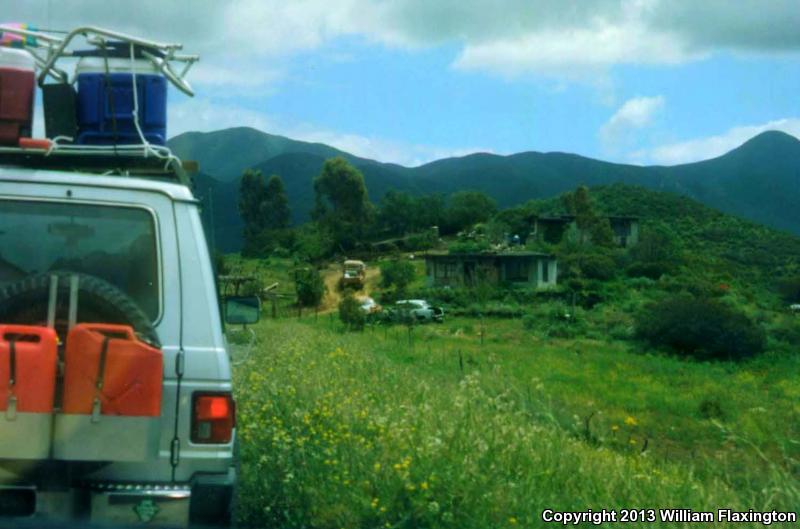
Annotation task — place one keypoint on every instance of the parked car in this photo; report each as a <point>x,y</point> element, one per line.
<point>417,310</point>
<point>369,306</point>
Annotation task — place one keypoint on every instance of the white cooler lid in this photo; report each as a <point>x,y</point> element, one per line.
<point>17,59</point>
<point>115,65</point>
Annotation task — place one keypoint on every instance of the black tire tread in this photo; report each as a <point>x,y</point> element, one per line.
<point>36,286</point>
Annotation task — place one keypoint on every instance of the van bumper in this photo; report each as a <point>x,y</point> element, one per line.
<point>205,501</point>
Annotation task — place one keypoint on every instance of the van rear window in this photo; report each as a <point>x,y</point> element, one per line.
<point>117,244</point>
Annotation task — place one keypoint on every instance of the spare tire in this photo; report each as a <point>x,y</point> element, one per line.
<point>26,301</point>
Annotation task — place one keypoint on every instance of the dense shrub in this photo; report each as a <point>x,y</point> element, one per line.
<point>651,270</point>
<point>492,309</point>
<point>702,328</point>
<point>419,241</point>
<point>396,273</point>
<point>310,287</point>
<point>786,329</point>
<point>586,264</point>
<point>351,314</point>
<point>598,266</point>
<point>789,289</point>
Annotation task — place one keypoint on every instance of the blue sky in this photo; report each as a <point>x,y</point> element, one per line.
<point>409,81</point>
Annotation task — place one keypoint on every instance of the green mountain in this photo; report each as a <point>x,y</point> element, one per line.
<point>760,180</point>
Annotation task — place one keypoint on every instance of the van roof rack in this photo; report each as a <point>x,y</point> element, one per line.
<point>146,161</point>
<point>47,49</point>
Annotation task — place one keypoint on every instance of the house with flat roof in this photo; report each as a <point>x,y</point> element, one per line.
<point>539,270</point>
<point>626,230</point>
<point>552,229</point>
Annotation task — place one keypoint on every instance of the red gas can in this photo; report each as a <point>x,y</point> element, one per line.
<point>108,366</point>
<point>17,86</point>
<point>28,357</point>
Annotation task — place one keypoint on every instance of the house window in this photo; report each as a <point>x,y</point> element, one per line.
<point>445,270</point>
<point>545,271</point>
<point>516,270</point>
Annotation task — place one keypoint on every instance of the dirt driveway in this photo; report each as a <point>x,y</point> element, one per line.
<point>333,296</point>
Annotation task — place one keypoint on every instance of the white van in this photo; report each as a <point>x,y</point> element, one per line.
<point>80,242</point>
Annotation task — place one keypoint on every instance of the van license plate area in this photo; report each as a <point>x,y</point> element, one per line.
<point>17,502</point>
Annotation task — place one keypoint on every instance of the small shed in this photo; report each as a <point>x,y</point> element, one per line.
<point>539,270</point>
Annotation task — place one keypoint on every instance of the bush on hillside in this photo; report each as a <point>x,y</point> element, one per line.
<point>397,273</point>
<point>310,287</point>
<point>701,328</point>
<point>598,266</point>
<point>650,270</point>
<point>350,313</point>
<point>789,289</point>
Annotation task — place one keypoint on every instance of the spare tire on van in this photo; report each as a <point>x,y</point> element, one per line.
<point>26,302</point>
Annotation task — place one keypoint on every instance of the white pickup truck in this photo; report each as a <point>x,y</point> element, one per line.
<point>79,246</point>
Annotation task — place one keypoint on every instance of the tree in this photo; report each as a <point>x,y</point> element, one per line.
<point>397,212</point>
<point>519,220</point>
<point>591,227</point>
<point>309,286</point>
<point>264,208</point>
<point>351,313</point>
<point>657,252</point>
<point>342,205</point>
<point>276,212</point>
<point>398,273</point>
<point>467,208</point>
<point>789,289</point>
<point>657,244</point>
<point>252,192</point>
<point>429,211</point>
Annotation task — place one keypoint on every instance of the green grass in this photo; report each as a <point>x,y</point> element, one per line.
<point>379,429</point>
<point>266,271</point>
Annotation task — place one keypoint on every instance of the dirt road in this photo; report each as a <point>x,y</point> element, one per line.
<point>331,276</point>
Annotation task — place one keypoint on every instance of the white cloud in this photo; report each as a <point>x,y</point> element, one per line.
<point>205,115</point>
<point>712,146</point>
<point>507,37</point>
<point>579,53</point>
<point>634,114</point>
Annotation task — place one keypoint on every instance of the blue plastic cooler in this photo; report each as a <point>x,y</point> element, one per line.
<point>105,102</point>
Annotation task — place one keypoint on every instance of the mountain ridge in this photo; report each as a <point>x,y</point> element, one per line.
<point>758,180</point>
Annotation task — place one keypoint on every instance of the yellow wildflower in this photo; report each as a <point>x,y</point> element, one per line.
<point>630,421</point>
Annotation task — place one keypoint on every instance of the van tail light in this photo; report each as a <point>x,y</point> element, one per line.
<point>213,418</point>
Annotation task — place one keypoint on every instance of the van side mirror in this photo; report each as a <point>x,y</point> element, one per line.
<point>242,309</point>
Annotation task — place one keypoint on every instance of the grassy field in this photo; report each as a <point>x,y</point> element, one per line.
<point>482,424</point>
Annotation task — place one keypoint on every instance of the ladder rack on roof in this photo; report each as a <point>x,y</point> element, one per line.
<point>144,159</point>
<point>47,49</point>
<point>123,160</point>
